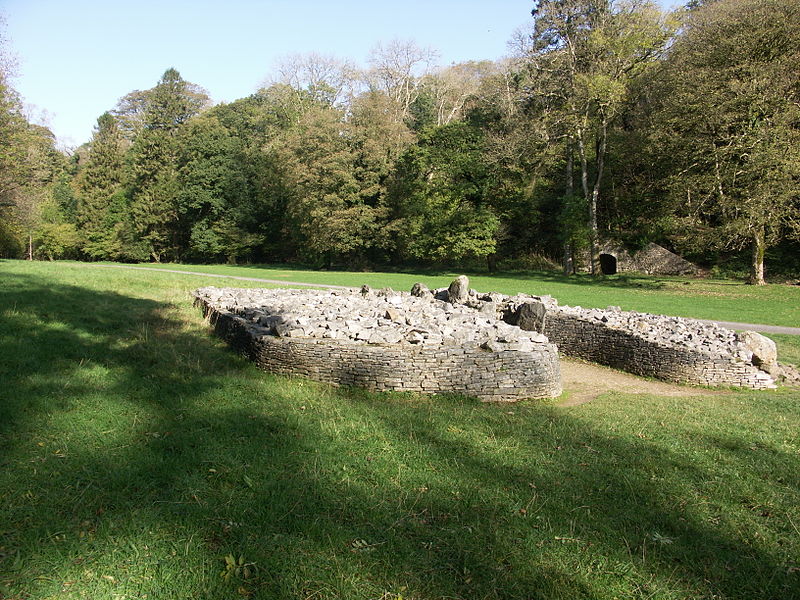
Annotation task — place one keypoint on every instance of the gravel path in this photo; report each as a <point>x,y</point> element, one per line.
<point>756,327</point>
<point>727,324</point>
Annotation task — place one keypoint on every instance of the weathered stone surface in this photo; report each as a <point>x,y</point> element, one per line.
<point>764,351</point>
<point>458,292</point>
<point>669,348</point>
<point>380,343</point>
<point>788,374</point>
<point>531,316</point>
<point>420,290</point>
<point>394,315</point>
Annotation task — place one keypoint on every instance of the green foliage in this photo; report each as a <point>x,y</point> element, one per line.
<point>212,189</point>
<point>103,204</point>
<point>154,155</point>
<point>440,198</point>
<point>31,171</point>
<point>590,131</point>
<point>58,240</point>
<point>11,242</point>
<point>728,124</point>
<point>327,207</point>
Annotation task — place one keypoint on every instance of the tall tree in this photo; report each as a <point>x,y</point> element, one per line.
<point>729,124</point>
<point>451,88</point>
<point>396,70</point>
<point>440,199</point>
<point>213,192</point>
<point>327,207</point>
<point>317,78</point>
<point>585,55</point>
<point>103,211</point>
<point>155,187</point>
<point>13,136</point>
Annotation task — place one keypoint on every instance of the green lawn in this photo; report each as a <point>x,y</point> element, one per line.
<point>138,453</point>
<point>723,300</point>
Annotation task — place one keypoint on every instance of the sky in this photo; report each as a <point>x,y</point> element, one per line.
<point>77,58</point>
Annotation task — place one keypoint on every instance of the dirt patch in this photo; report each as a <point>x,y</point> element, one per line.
<point>583,382</point>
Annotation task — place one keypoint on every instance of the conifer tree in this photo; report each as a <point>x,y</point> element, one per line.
<point>103,214</point>
<point>154,188</point>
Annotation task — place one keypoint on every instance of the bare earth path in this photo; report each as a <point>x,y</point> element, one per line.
<point>583,382</point>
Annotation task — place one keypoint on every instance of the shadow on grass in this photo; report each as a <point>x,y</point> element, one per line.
<point>138,452</point>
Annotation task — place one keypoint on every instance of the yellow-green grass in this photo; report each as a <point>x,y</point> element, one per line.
<point>138,452</point>
<point>723,300</point>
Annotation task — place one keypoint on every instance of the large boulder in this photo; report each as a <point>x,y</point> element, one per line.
<point>531,316</point>
<point>765,352</point>
<point>458,292</point>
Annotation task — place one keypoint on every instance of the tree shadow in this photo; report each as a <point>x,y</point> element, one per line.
<point>642,507</point>
<point>138,448</point>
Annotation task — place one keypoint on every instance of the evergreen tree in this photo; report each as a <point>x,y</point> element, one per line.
<point>155,187</point>
<point>103,213</point>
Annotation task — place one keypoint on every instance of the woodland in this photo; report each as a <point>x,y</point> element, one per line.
<point>609,120</point>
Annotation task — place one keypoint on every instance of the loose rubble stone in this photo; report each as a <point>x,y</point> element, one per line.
<point>385,340</point>
<point>414,327</point>
<point>458,292</point>
<point>668,348</point>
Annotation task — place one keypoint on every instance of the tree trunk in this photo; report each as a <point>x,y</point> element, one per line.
<point>600,155</point>
<point>491,262</point>
<point>568,265</point>
<point>757,263</point>
<point>585,187</point>
<point>30,246</point>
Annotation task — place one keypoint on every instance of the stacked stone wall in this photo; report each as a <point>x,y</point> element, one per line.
<point>500,376</point>
<point>492,346</point>
<point>596,341</point>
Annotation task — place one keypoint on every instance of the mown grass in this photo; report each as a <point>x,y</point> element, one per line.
<point>723,300</point>
<point>138,452</point>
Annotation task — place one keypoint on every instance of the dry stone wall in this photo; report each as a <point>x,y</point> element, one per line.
<point>385,341</point>
<point>492,346</point>
<point>669,348</point>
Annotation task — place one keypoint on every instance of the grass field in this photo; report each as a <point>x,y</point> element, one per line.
<point>723,300</point>
<point>696,298</point>
<point>142,459</point>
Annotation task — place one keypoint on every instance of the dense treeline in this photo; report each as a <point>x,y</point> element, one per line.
<point>612,120</point>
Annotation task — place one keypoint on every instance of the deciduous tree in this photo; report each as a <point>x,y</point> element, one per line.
<point>729,124</point>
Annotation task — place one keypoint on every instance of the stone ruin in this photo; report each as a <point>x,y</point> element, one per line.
<point>491,346</point>
<point>651,260</point>
<point>386,340</point>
